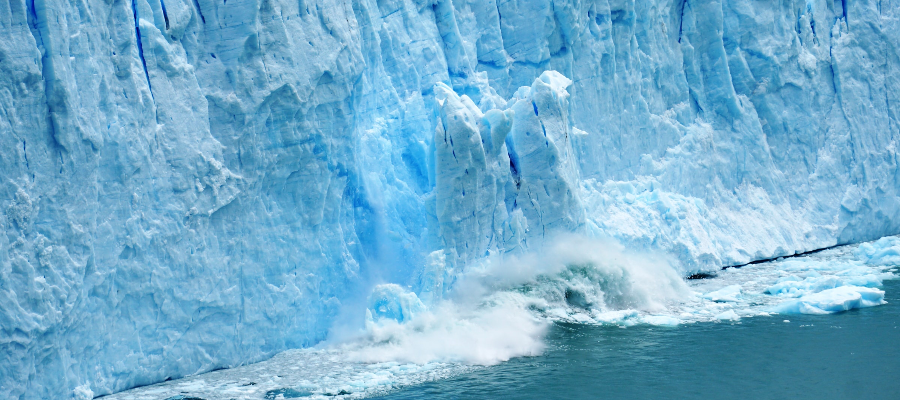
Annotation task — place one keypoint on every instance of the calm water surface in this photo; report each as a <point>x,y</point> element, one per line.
<point>851,355</point>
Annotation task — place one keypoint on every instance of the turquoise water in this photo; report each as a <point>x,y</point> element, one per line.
<point>849,355</point>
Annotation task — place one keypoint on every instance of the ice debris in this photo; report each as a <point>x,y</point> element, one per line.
<point>390,301</point>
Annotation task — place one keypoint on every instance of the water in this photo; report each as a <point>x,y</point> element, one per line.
<point>854,354</point>
<point>620,326</point>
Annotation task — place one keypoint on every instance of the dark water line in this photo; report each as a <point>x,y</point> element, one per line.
<point>805,253</point>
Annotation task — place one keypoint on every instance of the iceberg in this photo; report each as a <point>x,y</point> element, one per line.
<point>195,185</point>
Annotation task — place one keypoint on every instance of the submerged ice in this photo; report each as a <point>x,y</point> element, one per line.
<point>192,185</point>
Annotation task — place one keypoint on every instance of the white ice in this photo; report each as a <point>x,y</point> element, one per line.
<point>832,300</point>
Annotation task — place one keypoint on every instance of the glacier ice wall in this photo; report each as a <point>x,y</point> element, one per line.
<point>194,184</point>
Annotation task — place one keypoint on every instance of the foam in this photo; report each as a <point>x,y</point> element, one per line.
<point>486,335</point>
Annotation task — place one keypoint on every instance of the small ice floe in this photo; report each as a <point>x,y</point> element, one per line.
<point>730,293</point>
<point>833,300</point>
<point>729,315</point>
<point>660,320</point>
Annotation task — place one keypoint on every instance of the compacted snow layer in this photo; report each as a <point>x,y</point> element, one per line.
<point>454,338</point>
<point>194,184</point>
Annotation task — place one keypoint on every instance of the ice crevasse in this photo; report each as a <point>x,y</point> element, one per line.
<point>189,185</point>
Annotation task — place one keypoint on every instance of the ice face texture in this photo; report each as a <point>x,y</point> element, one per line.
<point>193,184</point>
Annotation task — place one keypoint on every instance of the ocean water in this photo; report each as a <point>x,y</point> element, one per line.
<point>848,355</point>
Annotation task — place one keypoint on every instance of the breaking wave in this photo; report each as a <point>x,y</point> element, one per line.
<point>502,306</point>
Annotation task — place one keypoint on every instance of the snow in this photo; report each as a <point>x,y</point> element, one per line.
<point>206,184</point>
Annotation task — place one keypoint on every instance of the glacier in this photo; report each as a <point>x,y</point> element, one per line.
<point>266,164</point>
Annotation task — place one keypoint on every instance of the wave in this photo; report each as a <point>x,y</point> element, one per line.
<point>502,306</point>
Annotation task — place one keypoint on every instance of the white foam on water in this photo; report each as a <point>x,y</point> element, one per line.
<point>488,335</point>
<point>502,307</point>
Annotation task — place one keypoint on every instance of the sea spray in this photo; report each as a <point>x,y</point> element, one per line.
<point>500,307</point>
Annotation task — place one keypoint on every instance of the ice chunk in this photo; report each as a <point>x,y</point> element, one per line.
<point>623,317</point>
<point>83,392</point>
<point>884,251</point>
<point>728,315</point>
<point>811,284</point>
<point>661,320</point>
<point>729,293</point>
<point>557,81</point>
<point>432,280</point>
<point>390,301</point>
<point>833,300</point>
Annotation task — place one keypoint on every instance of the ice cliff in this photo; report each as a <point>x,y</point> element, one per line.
<point>195,184</point>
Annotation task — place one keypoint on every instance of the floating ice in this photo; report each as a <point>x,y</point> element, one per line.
<point>660,320</point>
<point>833,300</point>
<point>729,315</point>
<point>884,251</point>
<point>829,281</point>
<point>728,293</point>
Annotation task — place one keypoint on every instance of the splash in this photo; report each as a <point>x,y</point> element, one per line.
<point>501,307</point>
